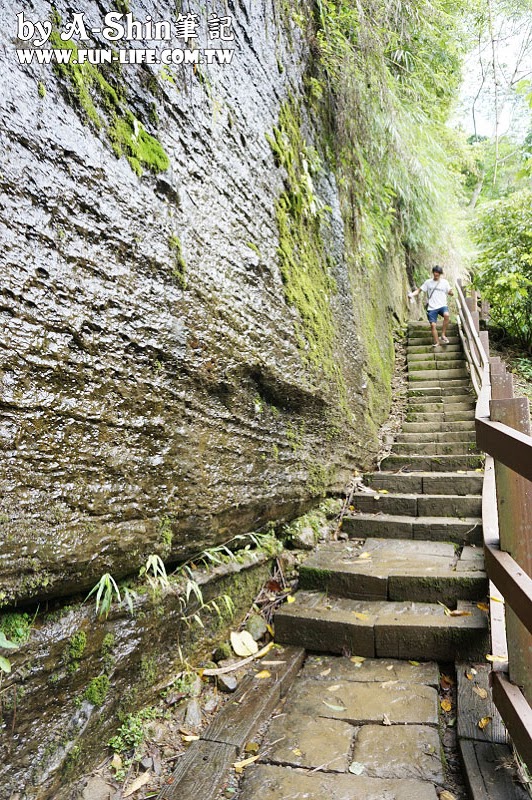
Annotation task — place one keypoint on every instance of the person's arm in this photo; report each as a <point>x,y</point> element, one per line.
<point>414,293</point>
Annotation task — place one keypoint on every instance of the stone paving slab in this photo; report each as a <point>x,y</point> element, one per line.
<point>303,741</point>
<point>449,483</point>
<point>264,782</point>
<point>411,751</point>
<point>436,464</point>
<point>444,427</point>
<point>331,669</point>
<point>360,703</point>
<point>391,570</point>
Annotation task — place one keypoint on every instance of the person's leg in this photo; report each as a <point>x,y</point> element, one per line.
<point>432,317</point>
<point>445,324</point>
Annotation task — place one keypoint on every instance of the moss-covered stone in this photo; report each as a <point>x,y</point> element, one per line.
<point>97,690</point>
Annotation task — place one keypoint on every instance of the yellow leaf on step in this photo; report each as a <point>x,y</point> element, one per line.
<point>446,705</point>
<point>383,491</point>
<point>297,752</point>
<point>189,737</point>
<point>360,616</point>
<point>364,555</point>
<point>241,765</point>
<point>414,663</point>
<point>469,676</point>
<point>480,691</point>
<point>290,599</point>
<point>496,659</point>
<point>445,795</point>
<point>263,674</point>
<point>484,722</point>
<point>483,606</point>
<point>325,672</point>
<point>357,659</point>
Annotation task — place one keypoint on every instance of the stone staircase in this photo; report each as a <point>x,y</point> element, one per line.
<point>407,581</point>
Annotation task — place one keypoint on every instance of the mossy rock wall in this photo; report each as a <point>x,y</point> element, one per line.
<point>76,676</point>
<point>164,385</point>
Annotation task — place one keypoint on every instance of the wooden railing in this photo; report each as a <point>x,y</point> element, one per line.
<point>502,424</point>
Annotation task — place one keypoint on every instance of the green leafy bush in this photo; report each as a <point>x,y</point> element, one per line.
<point>503,274</point>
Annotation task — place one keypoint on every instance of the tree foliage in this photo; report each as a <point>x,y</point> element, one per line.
<point>504,268</point>
<point>393,68</point>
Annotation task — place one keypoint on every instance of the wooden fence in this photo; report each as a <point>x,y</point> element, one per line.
<point>502,424</point>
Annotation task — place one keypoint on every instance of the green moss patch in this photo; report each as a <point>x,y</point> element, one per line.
<point>105,108</point>
<point>97,690</point>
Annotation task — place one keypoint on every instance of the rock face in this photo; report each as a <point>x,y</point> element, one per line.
<point>159,385</point>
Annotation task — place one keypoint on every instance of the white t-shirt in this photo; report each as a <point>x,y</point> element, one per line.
<point>437,292</point>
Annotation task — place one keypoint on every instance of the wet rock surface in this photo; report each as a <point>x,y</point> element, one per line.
<point>156,394</point>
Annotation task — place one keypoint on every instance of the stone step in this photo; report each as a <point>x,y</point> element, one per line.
<point>427,427</point>
<point>435,365</point>
<point>437,436</point>
<point>465,530</point>
<point>431,483</point>
<point>435,405</point>
<point>435,390</point>
<point>436,417</point>
<point>423,324</point>
<point>435,355</point>
<point>459,397</point>
<point>383,569</point>
<point>383,629</point>
<point>441,375</point>
<point>432,464</point>
<point>277,781</point>
<point>435,448</point>
<point>440,385</point>
<point>423,505</point>
<point>428,348</point>
<point>422,338</point>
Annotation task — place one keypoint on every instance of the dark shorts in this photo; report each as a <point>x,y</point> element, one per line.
<point>434,313</point>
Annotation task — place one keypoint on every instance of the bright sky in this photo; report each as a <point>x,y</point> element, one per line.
<point>513,64</point>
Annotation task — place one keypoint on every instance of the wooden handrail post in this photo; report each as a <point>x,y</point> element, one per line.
<point>497,367</point>
<point>502,386</point>
<point>485,339</point>
<point>514,504</point>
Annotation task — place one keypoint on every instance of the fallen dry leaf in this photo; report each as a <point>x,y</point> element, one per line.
<point>241,765</point>
<point>446,705</point>
<point>445,795</point>
<point>383,491</point>
<point>496,659</point>
<point>357,659</point>
<point>497,599</point>
<point>363,556</point>
<point>290,599</point>
<point>334,708</point>
<point>189,737</point>
<point>325,672</point>
<point>116,763</point>
<point>297,752</point>
<point>274,586</point>
<point>446,682</point>
<point>137,784</point>
<point>414,663</point>
<point>483,606</point>
<point>469,676</point>
<point>484,722</point>
<point>251,747</point>
<point>386,719</point>
<point>243,643</point>
<point>334,688</point>
<point>480,691</point>
<point>263,674</point>
<point>359,615</point>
